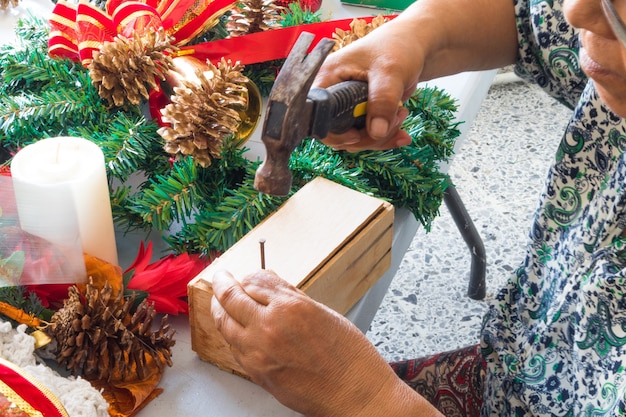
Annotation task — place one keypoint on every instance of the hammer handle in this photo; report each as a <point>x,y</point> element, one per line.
<point>338,108</point>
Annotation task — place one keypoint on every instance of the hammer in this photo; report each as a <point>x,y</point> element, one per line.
<point>295,111</point>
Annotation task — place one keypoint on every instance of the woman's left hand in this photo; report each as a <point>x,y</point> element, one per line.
<point>310,358</point>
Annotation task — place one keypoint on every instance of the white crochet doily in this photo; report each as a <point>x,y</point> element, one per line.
<point>77,395</point>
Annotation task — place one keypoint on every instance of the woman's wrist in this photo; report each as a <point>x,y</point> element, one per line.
<point>398,399</point>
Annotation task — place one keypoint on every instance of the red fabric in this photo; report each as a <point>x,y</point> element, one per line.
<point>451,381</point>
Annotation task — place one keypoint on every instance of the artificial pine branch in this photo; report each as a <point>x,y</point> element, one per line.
<point>313,159</point>
<point>295,15</point>
<point>130,144</point>
<point>431,121</point>
<point>170,197</point>
<point>19,297</point>
<point>122,207</point>
<point>217,230</point>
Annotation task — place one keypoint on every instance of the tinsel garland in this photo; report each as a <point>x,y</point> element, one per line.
<point>203,210</point>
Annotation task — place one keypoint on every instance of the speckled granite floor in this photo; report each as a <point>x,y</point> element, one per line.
<point>498,172</point>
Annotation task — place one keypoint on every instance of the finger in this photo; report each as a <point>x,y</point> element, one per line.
<point>383,104</point>
<point>233,298</point>
<point>265,285</point>
<point>359,140</point>
<point>399,139</point>
<point>228,327</point>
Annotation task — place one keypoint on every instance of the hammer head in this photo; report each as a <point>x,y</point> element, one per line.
<point>288,115</point>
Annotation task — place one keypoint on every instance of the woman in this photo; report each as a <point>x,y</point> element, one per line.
<point>553,342</point>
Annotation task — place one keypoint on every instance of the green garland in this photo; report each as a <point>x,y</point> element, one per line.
<point>203,210</point>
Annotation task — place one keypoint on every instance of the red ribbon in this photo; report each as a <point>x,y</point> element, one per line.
<point>78,31</point>
<point>26,387</point>
<point>264,46</point>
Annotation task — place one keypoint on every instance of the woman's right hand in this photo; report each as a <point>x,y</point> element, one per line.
<point>429,39</point>
<point>392,73</point>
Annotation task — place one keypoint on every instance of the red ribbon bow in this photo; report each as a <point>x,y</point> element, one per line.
<point>79,30</point>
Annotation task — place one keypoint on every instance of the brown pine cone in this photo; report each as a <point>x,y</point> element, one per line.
<point>98,335</point>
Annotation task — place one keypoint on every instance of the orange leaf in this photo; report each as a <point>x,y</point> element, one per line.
<point>126,398</point>
<point>100,272</point>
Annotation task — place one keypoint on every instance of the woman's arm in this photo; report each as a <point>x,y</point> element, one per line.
<point>310,358</point>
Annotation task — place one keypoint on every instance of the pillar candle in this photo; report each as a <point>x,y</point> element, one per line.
<point>62,194</point>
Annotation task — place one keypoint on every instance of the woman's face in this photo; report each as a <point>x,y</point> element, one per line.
<point>602,55</point>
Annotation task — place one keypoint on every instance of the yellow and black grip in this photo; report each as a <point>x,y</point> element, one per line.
<point>338,108</point>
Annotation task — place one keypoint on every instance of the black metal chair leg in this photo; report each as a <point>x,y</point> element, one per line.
<point>464,223</point>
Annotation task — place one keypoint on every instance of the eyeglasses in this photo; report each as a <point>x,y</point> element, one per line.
<point>615,21</point>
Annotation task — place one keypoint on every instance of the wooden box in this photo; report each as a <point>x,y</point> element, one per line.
<point>332,242</point>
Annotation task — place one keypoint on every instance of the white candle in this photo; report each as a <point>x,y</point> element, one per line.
<point>62,194</point>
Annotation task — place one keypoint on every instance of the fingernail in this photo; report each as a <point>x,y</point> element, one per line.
<point>404,142</point>
<point>379,128</point>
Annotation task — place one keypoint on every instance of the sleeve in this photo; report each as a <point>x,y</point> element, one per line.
<point>548,50</point>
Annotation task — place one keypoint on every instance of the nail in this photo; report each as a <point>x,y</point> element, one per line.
<point>262,245</point>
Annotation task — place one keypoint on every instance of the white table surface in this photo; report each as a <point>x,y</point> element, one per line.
<point>193,387</point>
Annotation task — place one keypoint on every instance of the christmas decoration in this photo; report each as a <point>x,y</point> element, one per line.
<point>101,336</point>
<point>251,16</point>
<point>5,4</point>
<point>94,72</point>
<point>125,70</point>
<point>206,106</point>
<point>358,29</point>
<point>22,395</point>
<point>311,5</point>
<point>163,283</point>
<point>213,205</point>
<point>104,331</point>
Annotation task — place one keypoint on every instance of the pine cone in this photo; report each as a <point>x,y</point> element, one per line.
<point>358,29</point>
<point>253,16</point>
<point>204,111</point>
<point>101,337</point>
<point>4,4</point>
<point>125,70</point>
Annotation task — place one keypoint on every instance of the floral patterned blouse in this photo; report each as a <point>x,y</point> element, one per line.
<point>554,338</point>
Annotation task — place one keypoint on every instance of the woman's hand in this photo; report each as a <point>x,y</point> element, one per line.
<point>429,39</point>
<point>310,358</point>
<point>392,74</point>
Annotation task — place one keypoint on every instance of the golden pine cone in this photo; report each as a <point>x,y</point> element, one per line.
<point>358,29</point>
<point>125,70</point>
<point>4,4</point>
<point>99,335</point>
<point>253,16</point>
<point>204,111</point>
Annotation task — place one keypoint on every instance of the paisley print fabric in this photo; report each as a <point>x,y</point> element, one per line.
<point>451,381</point>
<point>554,339</point>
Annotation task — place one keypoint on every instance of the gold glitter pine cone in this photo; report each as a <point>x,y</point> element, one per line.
<point>207,106</point>
<point>252,16</point>
<point>125,70</point>
<point>358,29</point>
<point>4,4</point>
